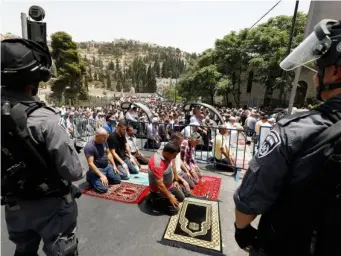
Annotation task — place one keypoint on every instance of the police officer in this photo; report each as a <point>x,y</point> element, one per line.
<point>43,206</point>
<point>281,184</point>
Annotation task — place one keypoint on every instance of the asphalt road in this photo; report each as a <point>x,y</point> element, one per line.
<point>108,228</point>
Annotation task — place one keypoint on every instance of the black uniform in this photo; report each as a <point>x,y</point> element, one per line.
<point>278,184</point>
<point>37,191</point>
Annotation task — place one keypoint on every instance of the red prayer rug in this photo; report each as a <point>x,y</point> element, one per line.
<point>208,187</point>
<point>124,192</point>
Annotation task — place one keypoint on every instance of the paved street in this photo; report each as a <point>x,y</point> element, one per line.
<point>108,228</point>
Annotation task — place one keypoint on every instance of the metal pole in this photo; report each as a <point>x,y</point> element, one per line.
<point>289,49</point>
<point>24,33</point>
<point>293,89</point>
<point>298,70</point>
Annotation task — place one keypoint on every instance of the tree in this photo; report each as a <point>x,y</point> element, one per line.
<point>172,94</point>
<point>260,49</point>
<point>117,65</point>
<point>70,67</point>
<point>200,82</point>
<point>269,42</point>
<point>102,79</point>
<point>90,78</point>
<point>151,80</point>
<point>111,65</point>
<point>157,68</point>
<point>224,88</point>
<point>108,82</point>
<point>118,86</point>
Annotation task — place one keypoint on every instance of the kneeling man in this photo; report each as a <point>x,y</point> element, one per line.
<point>164,194</point>
<point>103,170</point>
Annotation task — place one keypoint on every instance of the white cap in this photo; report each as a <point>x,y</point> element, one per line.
<point>155,120</point>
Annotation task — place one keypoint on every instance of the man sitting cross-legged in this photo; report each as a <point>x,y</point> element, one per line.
<point>119,148</point>
<point>164,196</point>
<point>221,155</point>
<point>103,170</point>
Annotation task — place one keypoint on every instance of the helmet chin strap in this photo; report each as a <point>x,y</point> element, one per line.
<point>320,87</point>
<point>35,88</point>
<point>324,87</point>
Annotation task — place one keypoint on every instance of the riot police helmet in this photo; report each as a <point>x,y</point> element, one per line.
<point>24,62</point>
<point>323,46</point>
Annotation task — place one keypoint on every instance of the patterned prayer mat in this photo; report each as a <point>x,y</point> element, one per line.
<point>125,192</point>
<point>208,187</point>
<point>196,227</point>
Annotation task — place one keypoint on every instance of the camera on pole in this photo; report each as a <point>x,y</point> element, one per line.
<point>36,28</point>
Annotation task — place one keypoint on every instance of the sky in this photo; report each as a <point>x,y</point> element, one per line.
<point>192,26</point>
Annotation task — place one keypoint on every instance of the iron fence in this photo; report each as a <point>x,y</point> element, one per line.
<point>242,144</point>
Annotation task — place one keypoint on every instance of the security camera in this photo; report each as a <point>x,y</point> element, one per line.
<point>36,13</point>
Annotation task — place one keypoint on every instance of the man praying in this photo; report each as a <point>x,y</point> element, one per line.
<point>103,170</point>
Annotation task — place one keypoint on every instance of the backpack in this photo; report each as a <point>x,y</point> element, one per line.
<point>326,238</point>
<point>26,171</point>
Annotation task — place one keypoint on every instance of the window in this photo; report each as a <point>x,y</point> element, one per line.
<point>249,82</point>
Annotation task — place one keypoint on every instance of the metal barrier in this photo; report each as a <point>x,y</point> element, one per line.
<point>241,147</point>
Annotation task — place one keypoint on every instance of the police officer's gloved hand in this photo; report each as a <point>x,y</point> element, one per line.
<point>75,191</point>
<point>246,237</point>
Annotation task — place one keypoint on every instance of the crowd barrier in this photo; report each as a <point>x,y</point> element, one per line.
<point>242,145</point>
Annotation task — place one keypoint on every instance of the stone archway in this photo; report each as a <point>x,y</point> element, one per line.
<point>301,92</point>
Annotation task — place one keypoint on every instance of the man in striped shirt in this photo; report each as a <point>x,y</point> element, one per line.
<point>187,155</point>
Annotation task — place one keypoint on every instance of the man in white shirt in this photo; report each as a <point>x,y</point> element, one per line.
<point>132,143</point>
<point>153,140</point>
<point>131,115</point>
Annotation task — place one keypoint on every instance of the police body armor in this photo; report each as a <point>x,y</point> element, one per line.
<point>26,169</point>
<point>306,219</point>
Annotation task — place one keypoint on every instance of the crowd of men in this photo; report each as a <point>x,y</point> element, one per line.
<point>113,153</point>
<point>114,156</point>
<point>166,119</point>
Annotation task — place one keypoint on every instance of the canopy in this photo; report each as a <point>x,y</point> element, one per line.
<point>188,107</point>
<point>128,105</point>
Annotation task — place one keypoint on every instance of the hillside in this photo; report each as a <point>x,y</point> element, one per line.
<point>122,64</point>
<point>128,66</point>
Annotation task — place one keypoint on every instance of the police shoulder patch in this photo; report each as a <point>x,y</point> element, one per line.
<point>271,141</point>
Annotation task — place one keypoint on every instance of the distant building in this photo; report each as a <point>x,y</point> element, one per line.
<point>252,93</point>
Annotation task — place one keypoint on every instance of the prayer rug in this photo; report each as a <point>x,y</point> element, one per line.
<point>196,227</point>
<point>140,178</point>
<point>208,187</point>
<point>124,192</point>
